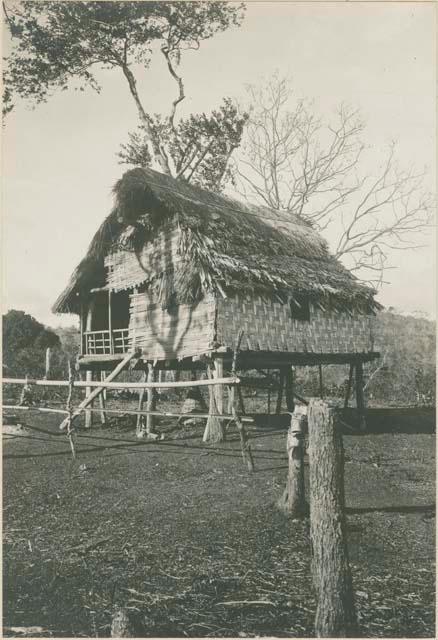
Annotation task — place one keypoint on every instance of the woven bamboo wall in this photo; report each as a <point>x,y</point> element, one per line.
<point>164,334</point>
<point>268,326</point>
<point>127,269</point>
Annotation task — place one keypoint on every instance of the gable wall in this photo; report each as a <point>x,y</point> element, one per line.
<point>127,268</point>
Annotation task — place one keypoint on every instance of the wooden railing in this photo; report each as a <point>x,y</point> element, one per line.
<point>105,342</point>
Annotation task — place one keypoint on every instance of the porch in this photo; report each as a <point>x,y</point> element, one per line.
<point>104,324</point>
<point>105,342</point>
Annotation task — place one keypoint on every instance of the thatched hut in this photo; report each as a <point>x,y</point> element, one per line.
<point>176,272</point>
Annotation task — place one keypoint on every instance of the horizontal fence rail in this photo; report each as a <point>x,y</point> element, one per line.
<point>135,412</point>
<point>123,385</point>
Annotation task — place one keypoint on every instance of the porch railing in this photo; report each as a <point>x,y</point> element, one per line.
<point>95,343</point>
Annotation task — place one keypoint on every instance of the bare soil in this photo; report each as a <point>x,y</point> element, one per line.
<point>192,544</point>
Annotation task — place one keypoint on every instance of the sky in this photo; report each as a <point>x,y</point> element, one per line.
<point>59,159</point>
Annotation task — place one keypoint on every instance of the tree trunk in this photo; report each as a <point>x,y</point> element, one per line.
<point>335,615</point>
<point>293,500</point>
<point>214,430</point>
<point>157,152</point>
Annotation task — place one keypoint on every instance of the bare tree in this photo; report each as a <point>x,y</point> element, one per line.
<point>294,162</point>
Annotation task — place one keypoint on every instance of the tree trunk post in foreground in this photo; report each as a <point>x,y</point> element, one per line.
<point>335,614</point>
<point>214,430</point>
<point>360,397</point>
<point>293,500</point>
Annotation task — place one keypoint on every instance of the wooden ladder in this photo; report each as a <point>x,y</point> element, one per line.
<point>114,373</point>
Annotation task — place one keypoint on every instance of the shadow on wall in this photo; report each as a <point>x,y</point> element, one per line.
<point>169,337</point>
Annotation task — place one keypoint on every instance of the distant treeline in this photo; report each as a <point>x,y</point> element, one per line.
<point>404,375</point>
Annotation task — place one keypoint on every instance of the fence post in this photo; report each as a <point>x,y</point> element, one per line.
<point>293,499</point>
<point>335,614</point>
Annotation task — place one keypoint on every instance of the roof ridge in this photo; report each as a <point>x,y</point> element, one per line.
<point>243,208</point>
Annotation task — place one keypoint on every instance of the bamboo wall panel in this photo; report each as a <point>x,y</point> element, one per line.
<point>180,332</point>
<point>268,325</point>
<point>129,268</point>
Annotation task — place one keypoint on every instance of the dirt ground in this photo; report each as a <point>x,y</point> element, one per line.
<point>193,545</point>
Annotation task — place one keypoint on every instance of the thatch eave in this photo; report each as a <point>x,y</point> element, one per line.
<point>227,246</point>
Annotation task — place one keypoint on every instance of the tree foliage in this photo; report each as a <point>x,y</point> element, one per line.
<point>296,162</point>
<point>199,146</point>
<point>25,341</point>
<point>56,45</point>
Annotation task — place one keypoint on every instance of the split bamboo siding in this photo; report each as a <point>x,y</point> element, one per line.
<point>192,330</point>
<point>167,334</point>
<point>268,325</point>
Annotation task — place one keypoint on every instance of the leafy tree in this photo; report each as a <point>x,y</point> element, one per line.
<point>59,44</point>
<point>200,146</point>
<point>25,341</point>
<point>293,161</point>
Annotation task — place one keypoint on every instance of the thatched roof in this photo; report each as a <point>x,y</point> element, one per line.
<point>226,245</point>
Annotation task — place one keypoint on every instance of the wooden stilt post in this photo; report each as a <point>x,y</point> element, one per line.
<point>289,388</point>
<point>152,399</point>
<point>214,429</point>
<point>110,322</point>
<point>140,429</point>
<point>293,500</point>
<point>321,386</point>
<point>219,389</point>
<point>47,372</point>
<point>231,399</point>
<point>269,392</point>
<point>246,447</point>
<point>193,403</point>
<point>282,377</point>
<point>88,391</point>
<point>241,406</point>
<point>102,400</point>
<point>336,614</point>
<point>89,374</point>
<point>360,396</point>
<point>350,382</point>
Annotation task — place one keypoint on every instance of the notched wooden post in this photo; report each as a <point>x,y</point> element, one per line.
<point>335,614</point>
<point>293,500</point>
